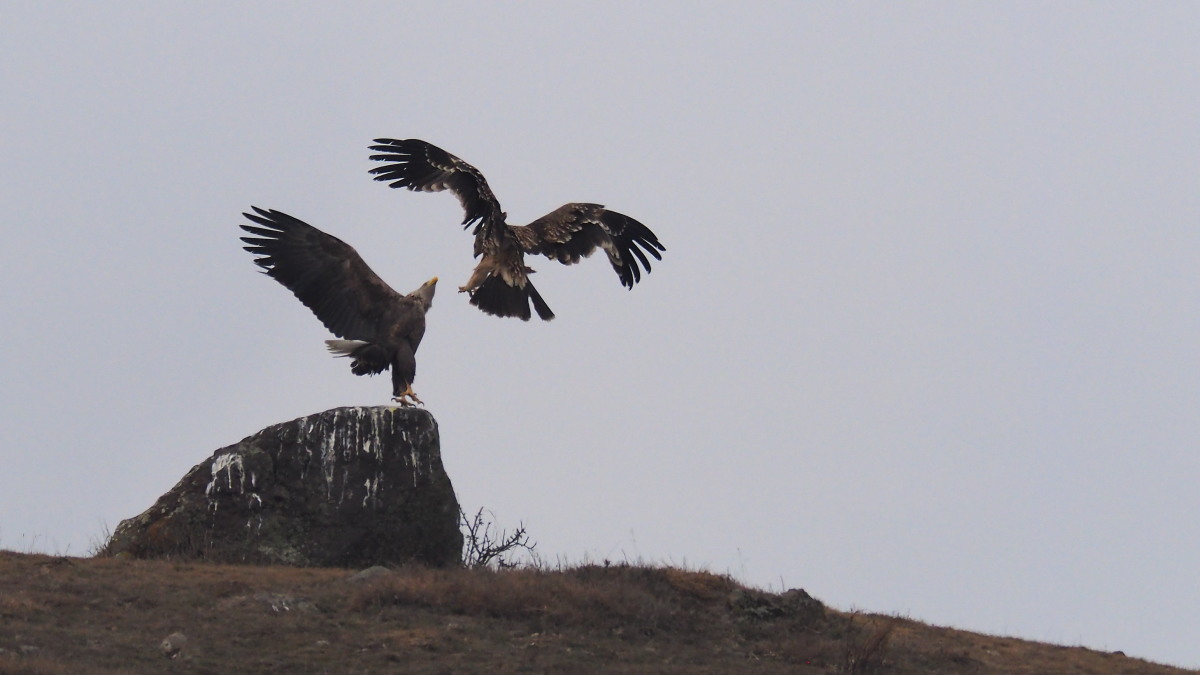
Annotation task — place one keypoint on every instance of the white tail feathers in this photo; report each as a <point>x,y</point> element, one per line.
<point>344,347</point>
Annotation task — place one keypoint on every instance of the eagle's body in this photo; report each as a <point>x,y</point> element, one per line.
<point>500,283</point>
<point>381,328</point>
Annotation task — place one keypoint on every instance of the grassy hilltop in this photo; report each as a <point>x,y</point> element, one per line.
<point>102,615</point>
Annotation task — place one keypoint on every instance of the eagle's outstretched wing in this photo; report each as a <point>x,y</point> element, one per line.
<point>419,166</point>
<point>574,231</point>
<point>323,272</point>
<point>500,283</point>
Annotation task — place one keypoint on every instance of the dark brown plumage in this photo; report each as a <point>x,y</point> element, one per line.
<point>382,328</point>
<point>500,282</point>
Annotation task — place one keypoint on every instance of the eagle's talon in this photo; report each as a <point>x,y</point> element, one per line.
<point>407,398</point>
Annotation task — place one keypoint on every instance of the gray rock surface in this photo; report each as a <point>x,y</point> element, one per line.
<point>349,487</point>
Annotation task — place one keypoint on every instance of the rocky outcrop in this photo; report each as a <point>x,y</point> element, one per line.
<point>349,487</point>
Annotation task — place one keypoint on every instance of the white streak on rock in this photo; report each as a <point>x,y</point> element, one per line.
<point>226,463</point>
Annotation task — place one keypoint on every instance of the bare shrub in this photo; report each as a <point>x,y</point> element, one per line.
<point>485,545</point>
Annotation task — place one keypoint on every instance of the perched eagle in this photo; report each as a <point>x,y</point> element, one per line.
<point>382,328</point>
<point>500,283</point>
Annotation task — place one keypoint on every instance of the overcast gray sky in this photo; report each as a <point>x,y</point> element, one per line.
<point>924,340</point>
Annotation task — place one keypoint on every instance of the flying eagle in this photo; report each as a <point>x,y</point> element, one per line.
<point>382,328</point>
<point>500,283</point>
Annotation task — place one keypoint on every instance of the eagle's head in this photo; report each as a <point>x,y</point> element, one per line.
<point>425,293</point>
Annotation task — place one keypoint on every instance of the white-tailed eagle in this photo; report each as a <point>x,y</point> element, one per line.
<point>381,328</point>
<point>500,283</point>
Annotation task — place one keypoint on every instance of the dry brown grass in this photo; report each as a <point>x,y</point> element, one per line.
<point>98,615</point>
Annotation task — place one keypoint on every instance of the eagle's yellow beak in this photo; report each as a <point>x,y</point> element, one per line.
<point>431,281</point>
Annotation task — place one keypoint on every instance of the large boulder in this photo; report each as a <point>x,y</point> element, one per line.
<point>349,487</point>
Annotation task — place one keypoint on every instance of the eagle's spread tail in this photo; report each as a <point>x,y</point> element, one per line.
<point>369,359</point>
<point>499,299</point>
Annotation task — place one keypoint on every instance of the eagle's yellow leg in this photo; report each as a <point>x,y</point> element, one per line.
<point>474,282</point>
<point>408,398</point>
